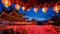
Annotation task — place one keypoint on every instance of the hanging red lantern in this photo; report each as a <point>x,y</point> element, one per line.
<point>56,9</point>
<point>6,3</point>
<point>36,9</point>
<point>44,9</point>
<point>23,8</point>
<point>59,7</point>
<point>17,6</point>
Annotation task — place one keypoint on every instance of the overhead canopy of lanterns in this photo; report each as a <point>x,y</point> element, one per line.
<point>18,3</point>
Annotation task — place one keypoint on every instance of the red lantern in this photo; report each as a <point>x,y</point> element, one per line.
<point>17,6</point>
<point>23,8</point>
<point>56,9</point>
<point>35,9</point>
<point>6,2</point>
<point>44,9</point>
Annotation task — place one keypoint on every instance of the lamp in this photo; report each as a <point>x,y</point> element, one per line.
<point>6,3</point>
<point>17,6</point>
<point>44,9</point>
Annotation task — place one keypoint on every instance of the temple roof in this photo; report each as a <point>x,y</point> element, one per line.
<point>12,16</point>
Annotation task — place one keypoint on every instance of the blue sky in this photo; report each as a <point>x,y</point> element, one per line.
<point>39,16</point>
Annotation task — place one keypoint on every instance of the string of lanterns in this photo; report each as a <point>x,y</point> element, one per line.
<point>7,3</point>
